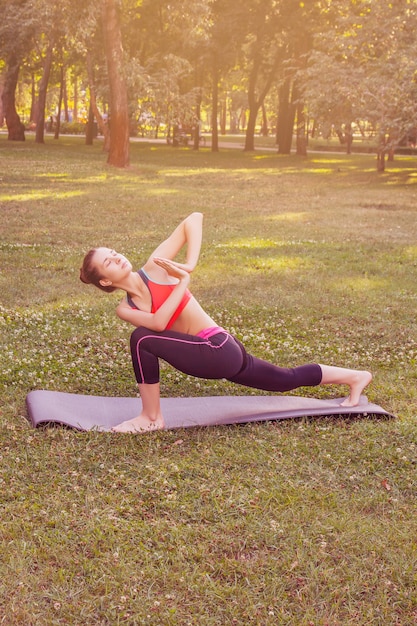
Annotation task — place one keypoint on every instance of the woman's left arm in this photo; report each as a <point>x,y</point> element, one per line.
<point>190,233</point>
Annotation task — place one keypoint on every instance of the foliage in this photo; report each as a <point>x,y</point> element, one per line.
<point>72,128</point>
<point>229,59</point>
<point>306,522</point>
<point>365,72</point>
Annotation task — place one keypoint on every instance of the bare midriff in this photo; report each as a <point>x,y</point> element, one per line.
<point>193,319</point>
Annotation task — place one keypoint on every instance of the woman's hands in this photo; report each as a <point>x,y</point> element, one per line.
<point>177,270</point>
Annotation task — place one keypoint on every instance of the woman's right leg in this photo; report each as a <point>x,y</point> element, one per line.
<point>215,358</point>
<point>150,417</point>
<point>220,356</point>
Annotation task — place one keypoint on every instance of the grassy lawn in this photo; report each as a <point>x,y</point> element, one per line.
<point>301,523</point>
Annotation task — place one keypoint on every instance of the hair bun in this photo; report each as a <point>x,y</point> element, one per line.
<point>83,278</point>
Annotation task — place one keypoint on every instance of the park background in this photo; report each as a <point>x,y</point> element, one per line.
<point>307,255</point>
<point>297,71</point>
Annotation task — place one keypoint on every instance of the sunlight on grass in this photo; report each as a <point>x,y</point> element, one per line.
<point>53,175</point>
<point>253,264</point>
<point>179,173</point>
<point>392,183</point>
<point>41,195</point>
<point>250,242</point>
<point>71,179</point>
<point>320,170</point>
<point>290,217</point>
<point>275,264</point>
<point>261,157</point>
<point>411,253</point>
<point>393,180</point>
<point>332,160</point>
<point>361,283</point>
<point>198,171</point>
<point>161,191</point>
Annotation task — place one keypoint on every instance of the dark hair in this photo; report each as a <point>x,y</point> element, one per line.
<point>90,275</point>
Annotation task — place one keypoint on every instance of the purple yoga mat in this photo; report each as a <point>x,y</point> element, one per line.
<point>101,413</point>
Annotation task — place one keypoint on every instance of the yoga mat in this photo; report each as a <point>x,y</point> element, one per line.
<point>85,412</point>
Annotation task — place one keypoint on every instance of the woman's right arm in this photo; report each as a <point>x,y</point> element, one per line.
<point>190,233</point>
<point>158,321</point>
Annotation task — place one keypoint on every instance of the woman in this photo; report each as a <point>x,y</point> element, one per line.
<point>171,324</point>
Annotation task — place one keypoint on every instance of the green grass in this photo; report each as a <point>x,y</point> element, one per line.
<point>309,522</point>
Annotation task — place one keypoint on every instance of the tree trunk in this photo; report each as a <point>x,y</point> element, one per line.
<point>75,99</point>
<point>103,127</point>
<point>285,123</point>
<point>234,122</point>
<point>257,94</point>
<point>301,131</point>
<point>298,106</point>
<point>89,132</point>
<point>119,113</point>
<point>223,117</point>
<point>254,105</point>
<point>250,129</point>
<point>61,94</point>
<point>197,125</point>
<point>43,86</point>
<point>380,161</point>
<point>33,104</point>
<point>340,136</point>
<point>16,130</point>
<point>1,100</point>
<point>65,96</point>
<point>264,128</point>
<point>380,155</point>
<point>391,148</point>
<point>214,108</point>
<point>349,137</point>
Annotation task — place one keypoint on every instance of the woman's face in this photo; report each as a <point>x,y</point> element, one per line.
<point>114,267</point>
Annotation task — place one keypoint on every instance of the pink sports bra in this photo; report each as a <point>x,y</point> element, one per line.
<point>159,293</point>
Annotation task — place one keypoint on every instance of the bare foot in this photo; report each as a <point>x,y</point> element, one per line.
<point>139,424</point>
<point>358,384</point>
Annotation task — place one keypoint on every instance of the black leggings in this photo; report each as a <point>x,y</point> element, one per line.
<point>220,356</point>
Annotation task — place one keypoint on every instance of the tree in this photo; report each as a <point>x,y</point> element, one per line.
<point>43,86</point>
<point>227,30</point>
<point>15,41</point>
<point>264,49</point>
<point>94,109</point>
<point>166,42</point>
<point>119,110</point>
<point>16,129</point>
<point>364,64</point>
<point>54,30</point>
<point>301,22</point>
<point>1,99</point>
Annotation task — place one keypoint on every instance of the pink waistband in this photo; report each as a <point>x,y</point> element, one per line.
<point>209,332</point>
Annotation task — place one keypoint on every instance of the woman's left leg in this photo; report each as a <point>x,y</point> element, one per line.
<point>268,377</point>
<point>357,380</point>
<point>261,374</point>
